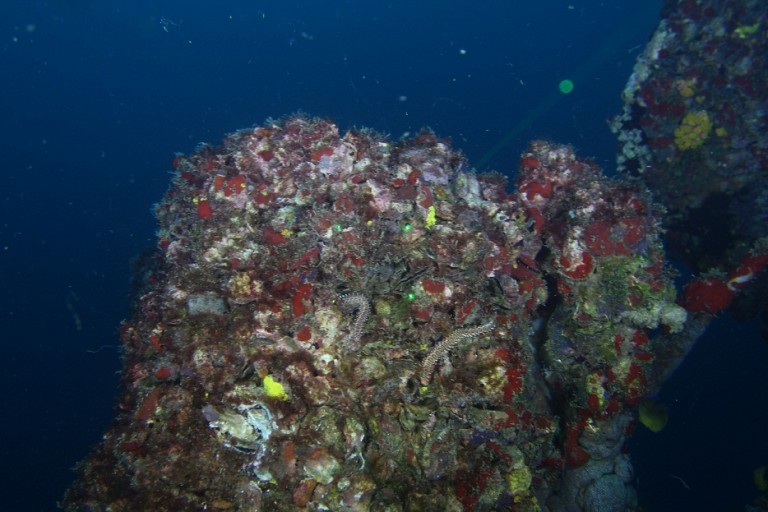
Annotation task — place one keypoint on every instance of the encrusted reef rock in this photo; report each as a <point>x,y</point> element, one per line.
<point>695,127</point>
<point>694,130</point>
<point>347,323</point>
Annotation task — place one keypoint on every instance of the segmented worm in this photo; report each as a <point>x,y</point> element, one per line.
<point>449,343</point>
<point>351,302</point>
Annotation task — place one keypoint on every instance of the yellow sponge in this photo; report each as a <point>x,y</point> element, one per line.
<point>274,389</point>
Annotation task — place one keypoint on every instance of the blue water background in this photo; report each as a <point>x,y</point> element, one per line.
<point>97,96</point>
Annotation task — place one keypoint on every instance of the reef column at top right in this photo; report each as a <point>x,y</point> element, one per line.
<point>693,129</point>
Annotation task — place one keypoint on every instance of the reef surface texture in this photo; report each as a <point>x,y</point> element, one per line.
<point>343,322</point>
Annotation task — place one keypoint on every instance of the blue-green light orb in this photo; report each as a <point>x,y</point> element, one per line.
<point>566,86</point>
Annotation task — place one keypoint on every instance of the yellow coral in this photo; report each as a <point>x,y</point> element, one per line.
<point>519,480</point>
<point>685,87</point>
<point>693,130</point>
<point>595,389</point>
<point>431,217</point>
<point>746,30</point>
<point>240,285</point>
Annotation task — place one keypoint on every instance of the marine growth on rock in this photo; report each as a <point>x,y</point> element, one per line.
<point>342,322</point>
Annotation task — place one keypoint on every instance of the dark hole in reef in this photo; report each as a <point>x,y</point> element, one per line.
<point>703,238</point>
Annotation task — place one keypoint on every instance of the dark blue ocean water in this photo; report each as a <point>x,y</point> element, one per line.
<point>96,96</point>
